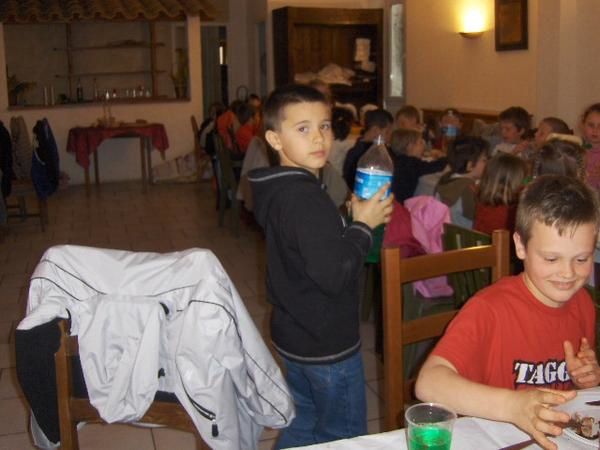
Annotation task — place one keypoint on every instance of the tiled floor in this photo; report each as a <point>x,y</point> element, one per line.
<point>167,218</point>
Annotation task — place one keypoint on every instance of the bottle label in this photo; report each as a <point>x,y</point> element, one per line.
<point>450,131</point>
<point>369,181</point>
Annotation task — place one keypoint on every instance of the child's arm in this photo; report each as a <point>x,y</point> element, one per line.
<point>582,367</point>
<point>530,410</point>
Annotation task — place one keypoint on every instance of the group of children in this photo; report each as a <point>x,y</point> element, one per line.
<point>516,350</point>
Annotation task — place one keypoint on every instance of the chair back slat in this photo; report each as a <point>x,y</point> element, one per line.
<point>398,333</point>
<point>72,410</point>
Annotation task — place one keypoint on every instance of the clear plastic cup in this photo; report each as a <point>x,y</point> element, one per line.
<point>429,426</point>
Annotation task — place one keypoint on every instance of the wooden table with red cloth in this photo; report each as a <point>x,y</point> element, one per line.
<point>84,141</point>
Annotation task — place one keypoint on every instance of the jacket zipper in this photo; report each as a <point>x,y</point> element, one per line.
<point>207,414</point>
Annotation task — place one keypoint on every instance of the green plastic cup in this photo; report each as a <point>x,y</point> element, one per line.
<point>429,426</point>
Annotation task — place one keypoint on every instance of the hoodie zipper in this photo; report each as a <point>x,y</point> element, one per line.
<point>207,414</point>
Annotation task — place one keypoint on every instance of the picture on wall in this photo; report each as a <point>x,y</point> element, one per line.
<point>511,25</point>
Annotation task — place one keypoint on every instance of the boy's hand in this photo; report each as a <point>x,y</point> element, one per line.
<point>374,211</point>
<point>531,411</point>
<point>583,366</point>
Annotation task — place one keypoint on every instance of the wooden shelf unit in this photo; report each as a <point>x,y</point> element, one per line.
<point>149,46</point>
<point>307,39</point>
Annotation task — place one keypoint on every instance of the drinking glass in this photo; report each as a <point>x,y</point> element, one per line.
<point>429,426</point>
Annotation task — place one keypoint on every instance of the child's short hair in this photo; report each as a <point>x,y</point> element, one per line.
<point>402,139</point>
<point>557,201</point>
<point>518,116</point>
<point>466,149</point>
<point>559,157</point>
<point>378,118</point>
<point>595,108</point>
<point>410,112</point>
<point>502,180</point>
<point>557,125</point>
<point>341,122</point>
<point>288,95</point>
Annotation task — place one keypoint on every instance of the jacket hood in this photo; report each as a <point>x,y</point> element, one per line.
<point>267,182</point>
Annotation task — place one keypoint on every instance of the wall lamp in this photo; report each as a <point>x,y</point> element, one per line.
<point>473,23</point>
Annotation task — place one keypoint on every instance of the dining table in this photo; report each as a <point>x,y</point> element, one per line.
<point>472,433</point>
<point>84,141</point>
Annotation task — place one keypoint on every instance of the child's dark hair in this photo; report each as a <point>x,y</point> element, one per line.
<point>288,95</point>
<point>244,112</point>
<point>465,150</point>
<point>556,201</point>
<point>557,125</point>
<point>409,111</point>
<point>595,108</point>
<point>518,116</point>
<point>559,157</point>
<point>378,118</point>
<point>341,122</point>
<point>402,139</point>
<point>502,180</point>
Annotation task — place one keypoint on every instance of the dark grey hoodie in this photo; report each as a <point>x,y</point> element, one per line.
<point>313,266</point>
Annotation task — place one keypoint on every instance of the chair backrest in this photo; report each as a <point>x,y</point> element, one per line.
<point>466,284</point>
<point>72,410</point>
<point>226,177</point>
<point>396,272</point>
<point>202,157</point>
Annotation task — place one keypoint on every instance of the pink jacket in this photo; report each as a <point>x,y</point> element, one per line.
<point>428,216</point>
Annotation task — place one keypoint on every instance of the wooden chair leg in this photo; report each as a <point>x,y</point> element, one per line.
<point>68,428</point>
<point>43,211</point>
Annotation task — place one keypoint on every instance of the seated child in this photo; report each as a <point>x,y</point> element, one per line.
<point>450,128</point>
<point>407,147</point>
<point>341,124</point>
<point>408,117</point>
<point>519,346</point>
<point>378,122</point>
<point>467,159</point>
<point>548,126</point>
<point>590,132</point>
<point>515,125</point>
<point>245,114</point>
<point>314,262</point>
<point>560,157</point>
<point>498,193</point>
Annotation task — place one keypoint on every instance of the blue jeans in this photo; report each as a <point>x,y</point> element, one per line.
<point>330,402</point>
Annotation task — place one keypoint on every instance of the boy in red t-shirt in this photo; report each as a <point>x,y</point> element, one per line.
<point>520,346</point>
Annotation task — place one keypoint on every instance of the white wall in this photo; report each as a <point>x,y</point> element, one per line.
<point>444,69</point>
<point>119,159</point>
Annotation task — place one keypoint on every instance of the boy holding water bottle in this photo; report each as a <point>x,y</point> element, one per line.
<point>517,349</point>
<point>313,265</point>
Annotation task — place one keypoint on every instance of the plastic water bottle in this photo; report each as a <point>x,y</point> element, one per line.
<point>375,168</point>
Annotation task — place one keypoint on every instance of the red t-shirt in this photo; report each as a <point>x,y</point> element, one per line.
<point>505,337</point>
<point>489,218</point>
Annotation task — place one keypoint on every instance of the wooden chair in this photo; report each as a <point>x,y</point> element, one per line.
<point>227,185</point>
<point>72,409</point>
<point>398,333</point>
<point>202,158</point>
<point>466,284</point>
<point>22,190</point>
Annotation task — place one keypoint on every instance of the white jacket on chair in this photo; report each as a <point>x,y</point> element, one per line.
<point>138,315</point>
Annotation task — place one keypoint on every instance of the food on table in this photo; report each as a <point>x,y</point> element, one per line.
<point>585,426</point>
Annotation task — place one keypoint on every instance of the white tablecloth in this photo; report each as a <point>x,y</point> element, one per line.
<point>469,434</point>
